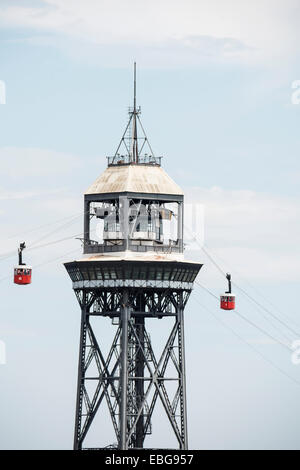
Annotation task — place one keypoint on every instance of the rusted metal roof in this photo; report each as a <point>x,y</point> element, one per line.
<point>134,178</point>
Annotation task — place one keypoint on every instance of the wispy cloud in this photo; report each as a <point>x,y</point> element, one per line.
<point>249,30</point>
<point>255,233</point>
<point>13,195</point>
<point>17,163</point>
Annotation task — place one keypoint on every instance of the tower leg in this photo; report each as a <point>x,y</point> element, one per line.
<point>125,311</point>
<point>80,380</point>
<point>183,401</point>
<point>139,383</point>
<point>133,376</point>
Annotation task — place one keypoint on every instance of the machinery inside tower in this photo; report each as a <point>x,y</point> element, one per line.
<point>149,223</point>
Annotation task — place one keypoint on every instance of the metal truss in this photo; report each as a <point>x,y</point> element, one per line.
<point>133,377</point>
<point>147,302</point>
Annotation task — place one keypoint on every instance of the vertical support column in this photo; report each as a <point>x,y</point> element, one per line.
<point>125,313</point>
<point>183,401</point>
<point>86,218</point>
<point>80,380</point>
<point>139,383</point>
<point>180,226</point>
<point>124,219</point>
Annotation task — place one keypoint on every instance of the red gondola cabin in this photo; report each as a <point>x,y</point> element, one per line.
<point>22,272</point>
<point>227,300</point>
<point>22,275</point>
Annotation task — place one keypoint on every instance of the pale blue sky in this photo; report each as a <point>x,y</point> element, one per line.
<point>215,85</point>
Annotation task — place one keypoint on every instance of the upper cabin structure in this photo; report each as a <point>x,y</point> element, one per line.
<point>134,207</point>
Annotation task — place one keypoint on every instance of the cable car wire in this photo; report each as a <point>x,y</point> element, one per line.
<point>249,321</point>
<point>294,332</point>
<point>57,241</point>
<point>54,231</point>
<point>266,310</point>
<point>252,299</point>
<point>54,259</point>
<point>78,214</point>
<point>45,262</point>
<point>266,359</point>
<point>54,242</point>
<point>11,253</point>
<point>274,326</point>
<point>284,315</point>
<point>261,330</point>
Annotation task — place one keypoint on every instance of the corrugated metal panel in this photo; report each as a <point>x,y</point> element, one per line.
<point>136,179</point>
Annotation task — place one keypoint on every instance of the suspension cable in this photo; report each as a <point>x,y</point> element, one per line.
<point>248,321</point>
<point>248,344</point>
<point>294,332</point>
<point>284,315</point>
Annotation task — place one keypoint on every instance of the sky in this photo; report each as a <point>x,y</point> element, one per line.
<point>219,87</point>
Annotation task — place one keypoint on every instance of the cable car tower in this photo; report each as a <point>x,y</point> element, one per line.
<point>132,271</point>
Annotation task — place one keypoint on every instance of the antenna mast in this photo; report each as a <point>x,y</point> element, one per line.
<point>130,139</point>
<point>135,153</point>
<point>134,89</point>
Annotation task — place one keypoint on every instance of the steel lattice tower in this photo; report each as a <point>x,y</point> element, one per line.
<point>134,274</point>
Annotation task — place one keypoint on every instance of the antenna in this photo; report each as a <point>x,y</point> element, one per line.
<point>134,89</point>
<point>130,139</point>
<point>135,153</point>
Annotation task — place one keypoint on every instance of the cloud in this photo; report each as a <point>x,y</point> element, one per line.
<point>52,220</point>
<point>10,195</point>
<point>17,163</point>
<point>64,204</point>
<point>255,233</point>
<point>249,30</point>
<point>213,46</point>
<point>38,198</point>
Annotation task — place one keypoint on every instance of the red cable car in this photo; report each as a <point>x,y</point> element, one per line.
<point>22,272</point>
<point>227,300</point>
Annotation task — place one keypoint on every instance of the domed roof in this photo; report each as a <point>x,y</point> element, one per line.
<point>134,178</point>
